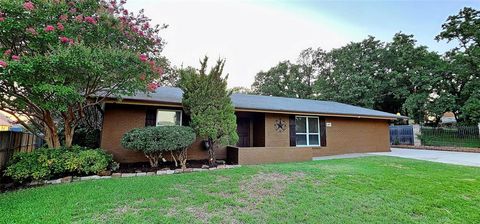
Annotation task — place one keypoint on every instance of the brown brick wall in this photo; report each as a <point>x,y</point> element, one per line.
<point>119,119</point>
<point>262,155</point>
<point>274,138</point>
<point>350,135</point>
<point>346,135</point>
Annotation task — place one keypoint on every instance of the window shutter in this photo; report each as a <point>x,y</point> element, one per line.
<point>151,118</point>
<point>323,132</point>
<point>293,140</point>
<point>185,119</point>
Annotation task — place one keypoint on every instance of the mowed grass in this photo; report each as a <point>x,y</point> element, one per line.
<point>459,137</point>
<point>444,140</point>
<point>368,189</point>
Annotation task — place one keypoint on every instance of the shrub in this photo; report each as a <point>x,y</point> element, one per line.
<point>87,161</point>
<point>207,101</point>
<point>154,141</point>
<point>46,163</point>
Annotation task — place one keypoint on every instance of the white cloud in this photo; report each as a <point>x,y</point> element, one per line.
<point>252,36</point>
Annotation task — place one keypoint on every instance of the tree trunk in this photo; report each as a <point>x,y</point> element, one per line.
<point>69,131</point>
<point>154,162</point>
<point>173,157</point>
<point>51,134</point>
<point>68,138</point>
<point>182,156</point>
<point>458,118</point>
<point>69,126</point>
<point>211,153</point>
<point>154,158</point>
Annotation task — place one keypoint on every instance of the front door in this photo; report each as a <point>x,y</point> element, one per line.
<point>243,131</point>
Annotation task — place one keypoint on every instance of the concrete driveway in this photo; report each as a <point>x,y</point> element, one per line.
<point>458,158</point>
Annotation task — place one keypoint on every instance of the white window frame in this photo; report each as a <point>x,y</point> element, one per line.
<point>307,133</point>
<point>167,110</point>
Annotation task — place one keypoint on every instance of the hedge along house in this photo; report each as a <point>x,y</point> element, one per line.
<point>270,129</point>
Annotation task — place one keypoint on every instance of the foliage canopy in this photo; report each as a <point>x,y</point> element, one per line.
<point>47,163</point>
<point>61,57</point>
<point>207,101</point>
<point>154,141</point>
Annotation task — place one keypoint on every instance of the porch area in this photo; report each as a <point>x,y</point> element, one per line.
<point>265,138</point>
<point>263,155</point>
<point>250,129</point>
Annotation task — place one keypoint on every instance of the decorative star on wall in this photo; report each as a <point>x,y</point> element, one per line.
<point>280,125</point>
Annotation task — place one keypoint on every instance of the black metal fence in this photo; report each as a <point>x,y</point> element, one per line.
<point>11,142</point>
<point>462,136</point>
<point>401,135</point>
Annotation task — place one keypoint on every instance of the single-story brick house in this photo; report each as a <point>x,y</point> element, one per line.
<point>270,129</point>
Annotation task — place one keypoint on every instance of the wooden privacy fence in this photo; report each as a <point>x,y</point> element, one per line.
<point>401,135</point>
<point>461,136</point>
<point>11,142</point>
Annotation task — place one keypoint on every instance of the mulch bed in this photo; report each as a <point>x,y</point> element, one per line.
<point>439,148</point>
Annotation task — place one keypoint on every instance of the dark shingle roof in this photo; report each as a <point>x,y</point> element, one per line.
<point>269,103</point>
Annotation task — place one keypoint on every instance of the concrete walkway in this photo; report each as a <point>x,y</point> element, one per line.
<point>458,158</point>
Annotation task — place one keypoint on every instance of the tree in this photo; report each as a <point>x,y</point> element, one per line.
<point>412,79</point>
<point>241,89</point>
<point>396,76</point>
<point>170,74</point>
<point>62,57</point>
<point>285,79</point>
<point>154,141</point>
<point>351,74</point>
<point>207,101</point>
<point>461,79</point>
<point>311,62</point>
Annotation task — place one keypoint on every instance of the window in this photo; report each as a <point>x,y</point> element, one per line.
<point>307,131</point>
<point>169,117</point>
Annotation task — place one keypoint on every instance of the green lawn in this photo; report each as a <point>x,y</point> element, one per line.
<point>446,140</point>
<point>459,137</point>
<point>368,189</point>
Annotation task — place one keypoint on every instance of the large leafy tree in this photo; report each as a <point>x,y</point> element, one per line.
<point>461,79</point>
<point>285,79</point>
<point>412,77</point>
<point>207,101</point>
<point>396,76</point>
<point>62,57</point>
<point>353,74</point>
<point>311,62</point>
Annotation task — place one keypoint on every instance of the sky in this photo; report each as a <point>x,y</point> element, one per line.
<point>255,35</point>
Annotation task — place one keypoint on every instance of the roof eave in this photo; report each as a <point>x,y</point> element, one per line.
<point>176,104</point>
<point>321,114</point>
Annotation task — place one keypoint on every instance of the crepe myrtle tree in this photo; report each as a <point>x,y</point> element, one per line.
<point>155,141</point>
<point>61,57</point>
<point>207,101</point>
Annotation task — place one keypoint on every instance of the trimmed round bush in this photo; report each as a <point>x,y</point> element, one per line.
<point>153,141</point>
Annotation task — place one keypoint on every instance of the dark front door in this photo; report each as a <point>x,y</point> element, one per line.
<point>243,131</point>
